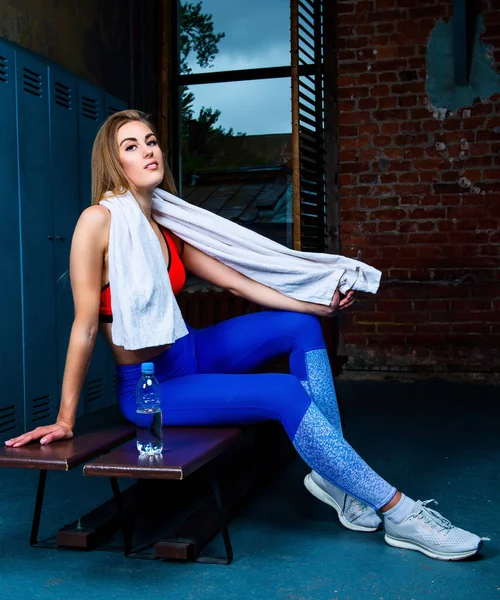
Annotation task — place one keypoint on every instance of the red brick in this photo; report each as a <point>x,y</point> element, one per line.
<point>381,140</point>
<point>385,27</point>
<point>354,118</point>
<point>387,52</point>
<point>379,90</point>
<point>427,238</point>
<point>389,128</point>
<point>347,106</point>
<point>368,178</point>
<point>365,29</point>
<point>347,131</point>
<point>353,67</point>
<point>407,101</point>
<point>354,167</point>
<point>346,55</point>
<point>348,155</point>
<point>388,214</point>
<point>384,103</point>
<point>353,92</point>
<point>367,79</point>
<point>388,177</point>
<point>413,152</point>
<point>346,80</point>
<point>343,7</point>
<point>388,77</point>
<point>411,177</point>
<point>384,226</point>
<point>368,154</point>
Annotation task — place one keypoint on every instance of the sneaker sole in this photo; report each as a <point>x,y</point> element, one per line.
<point>406,545</point>
<point>320,494</point>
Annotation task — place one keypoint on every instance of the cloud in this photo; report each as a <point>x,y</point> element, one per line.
<point>257,35</point>
<point>252,107</point>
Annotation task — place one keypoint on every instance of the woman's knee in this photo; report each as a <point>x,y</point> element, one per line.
<point>306,329</point>
<point>291,404</point>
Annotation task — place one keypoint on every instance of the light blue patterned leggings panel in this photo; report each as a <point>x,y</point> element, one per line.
<point>206,379</point>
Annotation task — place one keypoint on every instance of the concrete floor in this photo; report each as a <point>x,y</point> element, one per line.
<point>430,439</point>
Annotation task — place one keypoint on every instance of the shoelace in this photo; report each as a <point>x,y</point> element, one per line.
<point>430,516</point>
<point>356,507</point>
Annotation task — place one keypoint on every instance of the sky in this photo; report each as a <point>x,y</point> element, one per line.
<point>257,35</point>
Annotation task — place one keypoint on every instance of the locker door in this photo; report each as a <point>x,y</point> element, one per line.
<point>65,199</point>
<point>11,356</point>
<point>37,240</point>
<point>98,389</point>
<point>113,105</point>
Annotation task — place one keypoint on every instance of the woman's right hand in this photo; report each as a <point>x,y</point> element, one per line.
<point>46,435</point>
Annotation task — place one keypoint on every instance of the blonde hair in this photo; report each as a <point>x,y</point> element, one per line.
<point>107,172</point>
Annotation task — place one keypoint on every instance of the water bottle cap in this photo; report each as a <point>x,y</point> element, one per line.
<point>148,368</point>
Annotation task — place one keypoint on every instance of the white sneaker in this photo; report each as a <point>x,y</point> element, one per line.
<point>353,514</point>
<point>429,532</point>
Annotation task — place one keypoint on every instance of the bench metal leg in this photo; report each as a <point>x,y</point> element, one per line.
<point>223,527</point>
<point>38,507</point>
<point>127,534</point>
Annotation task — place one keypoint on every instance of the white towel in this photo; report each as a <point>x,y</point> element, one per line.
<point>145,312</point>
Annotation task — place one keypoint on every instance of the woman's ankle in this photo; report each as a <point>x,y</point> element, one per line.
<point>392,503</point>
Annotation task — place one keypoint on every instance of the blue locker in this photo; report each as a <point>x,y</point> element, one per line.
<point>113,105</point>
<point>37,240</point>
<point>65,199</point>
<point>98,388</point>
<point>11,356</point>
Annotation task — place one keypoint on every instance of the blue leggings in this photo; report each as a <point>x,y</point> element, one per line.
<point>206,380</point>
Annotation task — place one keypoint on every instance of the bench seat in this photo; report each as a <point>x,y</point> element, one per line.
<point>62,456</point>
<point>185,451</point>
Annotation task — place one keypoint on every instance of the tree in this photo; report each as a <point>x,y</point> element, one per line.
<point>197,35</point>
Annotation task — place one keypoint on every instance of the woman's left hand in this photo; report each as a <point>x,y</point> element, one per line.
<point>347,300</point>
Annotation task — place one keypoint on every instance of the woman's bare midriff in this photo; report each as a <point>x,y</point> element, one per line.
<point>124,357</point>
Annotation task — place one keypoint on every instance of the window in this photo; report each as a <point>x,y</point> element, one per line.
<point>252,129</point>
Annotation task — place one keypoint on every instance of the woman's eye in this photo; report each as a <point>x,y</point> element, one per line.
<point>153,142</point>
<point>130,147</point>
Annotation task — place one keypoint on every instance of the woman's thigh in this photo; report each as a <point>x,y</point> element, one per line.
<point>213,400</point>
<point>242,344</point>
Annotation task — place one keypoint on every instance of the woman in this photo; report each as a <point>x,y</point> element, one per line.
<point>205,375</point>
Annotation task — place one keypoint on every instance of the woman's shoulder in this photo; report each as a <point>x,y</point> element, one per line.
<point>95,217</point>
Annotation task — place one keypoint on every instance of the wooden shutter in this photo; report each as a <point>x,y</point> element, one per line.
<point>308,116</point>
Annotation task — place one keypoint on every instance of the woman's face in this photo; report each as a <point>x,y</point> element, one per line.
<point>140,155</point>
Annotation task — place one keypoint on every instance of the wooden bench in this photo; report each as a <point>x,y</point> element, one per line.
<point>62,456</point>
<point>186,450</point>
<point>242,460</point>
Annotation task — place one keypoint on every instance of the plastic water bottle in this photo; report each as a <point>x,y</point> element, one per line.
<point>148,412</point>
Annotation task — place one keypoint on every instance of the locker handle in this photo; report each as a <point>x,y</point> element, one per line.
<point>60,238</point>
<point>50,237</point>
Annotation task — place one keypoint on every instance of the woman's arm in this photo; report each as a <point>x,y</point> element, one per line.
<point>87,251</point>
<point>215,272</point>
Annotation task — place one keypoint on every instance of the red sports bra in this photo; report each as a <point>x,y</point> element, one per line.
<point>176,272</point>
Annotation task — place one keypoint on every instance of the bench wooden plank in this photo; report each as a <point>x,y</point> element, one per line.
<point>66,454</point>
<point>186,449</point>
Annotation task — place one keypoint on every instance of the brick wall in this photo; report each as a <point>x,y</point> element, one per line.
<point>406,205</point>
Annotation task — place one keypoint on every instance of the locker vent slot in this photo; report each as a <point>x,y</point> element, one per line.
<point>94,390</point>
<point>114,383</point>
<point>112,110</point>
<point>4,69</point>
<point>89,108</point>
<point>41,408</point>
<point>32,82</point>
<point>8,418</point>
<point>63,95</point>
